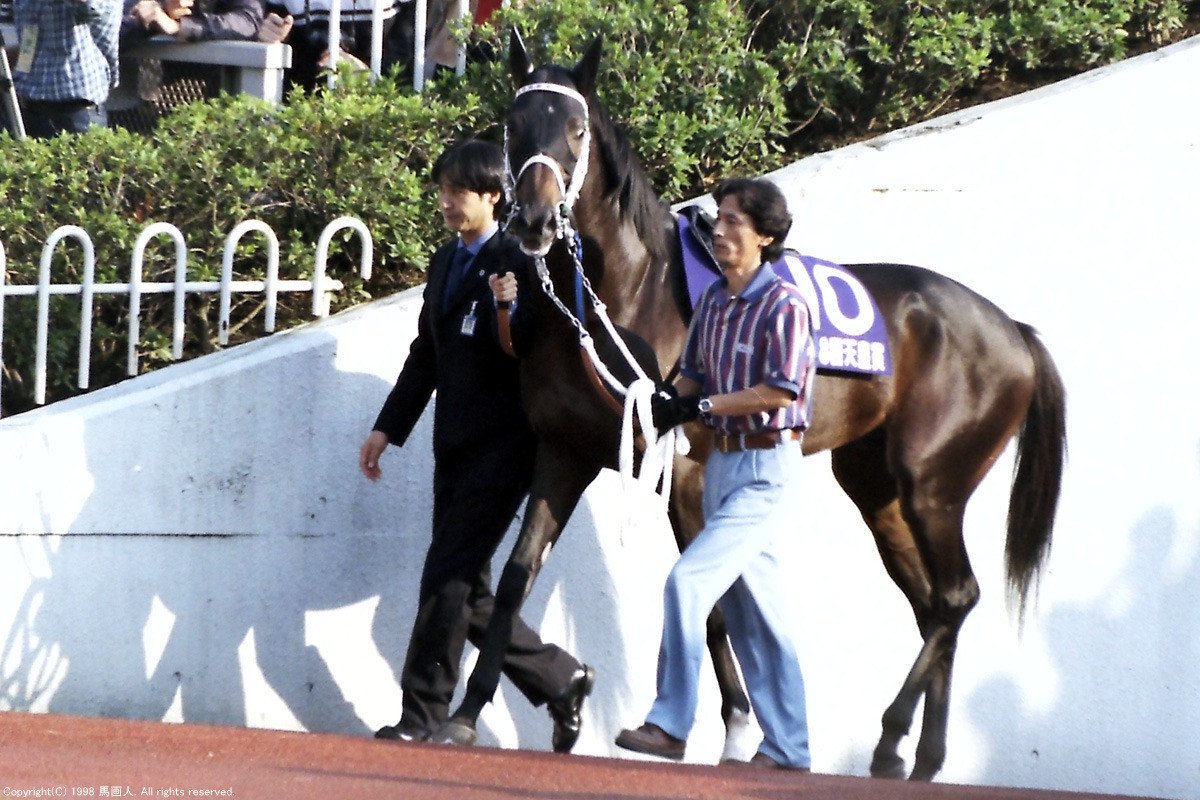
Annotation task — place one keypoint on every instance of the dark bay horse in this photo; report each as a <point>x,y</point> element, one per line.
<point>908,448</point>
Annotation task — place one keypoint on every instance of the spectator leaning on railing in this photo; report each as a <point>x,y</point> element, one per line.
<point>67,63</point>
<point>304,25</point>
<point>192,20</point>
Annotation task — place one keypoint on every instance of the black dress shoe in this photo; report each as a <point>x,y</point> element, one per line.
<point>652,740</point>
<point>402,732</point>
<point>565,711</point>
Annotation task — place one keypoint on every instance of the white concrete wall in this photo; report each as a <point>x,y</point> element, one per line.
<point>197,544</point>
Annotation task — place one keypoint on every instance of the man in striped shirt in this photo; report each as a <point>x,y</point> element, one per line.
<point>67,63</point>
<point>747,371</point>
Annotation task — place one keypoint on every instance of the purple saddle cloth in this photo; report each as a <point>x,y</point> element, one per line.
<point>847,325</point>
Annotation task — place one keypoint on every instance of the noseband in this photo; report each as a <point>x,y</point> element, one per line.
<point>569,192</point>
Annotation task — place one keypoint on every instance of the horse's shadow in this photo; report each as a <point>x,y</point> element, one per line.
<point>1123,708</point>
<point>173,618</point>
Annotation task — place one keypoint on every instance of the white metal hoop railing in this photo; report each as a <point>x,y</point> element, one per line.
<point>135,291</point>
<point>320,298</point>
<point>231,242</point>
<point>87,289</point>
<point>320,286</point>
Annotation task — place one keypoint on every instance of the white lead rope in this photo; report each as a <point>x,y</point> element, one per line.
<point>659,454</point>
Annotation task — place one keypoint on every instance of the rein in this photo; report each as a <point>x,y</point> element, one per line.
<point>657,456</point>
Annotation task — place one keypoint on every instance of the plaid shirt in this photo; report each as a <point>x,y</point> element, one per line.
<point>76,55</point>
<point>762,335</point>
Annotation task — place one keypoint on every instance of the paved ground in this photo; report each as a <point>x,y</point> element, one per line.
<point>57,756</point>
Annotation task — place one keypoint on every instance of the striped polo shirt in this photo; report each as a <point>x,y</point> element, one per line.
<point>762,335</point>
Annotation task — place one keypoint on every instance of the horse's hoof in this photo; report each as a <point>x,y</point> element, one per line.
<point>455,732</point>
<point>740,743</point>
<point>889,767</point>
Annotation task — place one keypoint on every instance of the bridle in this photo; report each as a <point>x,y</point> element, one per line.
<point>569,192</point>
<point>657,455</point>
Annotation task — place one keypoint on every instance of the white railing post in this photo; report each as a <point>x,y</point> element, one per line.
<point>135,290</point>
<point>377,38</point>
<point>227,275</point>
<point>460,68</point>
<point>320,301</point>
<point>335,39</point>
<point>85,308</point>
<point>420,19</point>
<point>3,297</point>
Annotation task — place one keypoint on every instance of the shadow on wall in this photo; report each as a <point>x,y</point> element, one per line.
<point>1126,683</point>
<point>145,624</point>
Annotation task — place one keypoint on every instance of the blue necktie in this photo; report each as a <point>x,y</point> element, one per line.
<point>458,271</point>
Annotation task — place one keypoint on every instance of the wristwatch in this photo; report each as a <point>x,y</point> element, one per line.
<point>705,406</point>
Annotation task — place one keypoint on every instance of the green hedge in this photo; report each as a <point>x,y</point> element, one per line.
<point>704,88</point>
<point>859,66</point>
<point>364,150</point>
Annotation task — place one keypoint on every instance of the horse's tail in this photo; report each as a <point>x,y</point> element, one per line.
<point>1037,476</point>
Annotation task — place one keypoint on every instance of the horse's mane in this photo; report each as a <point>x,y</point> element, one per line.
<point>625,181</point>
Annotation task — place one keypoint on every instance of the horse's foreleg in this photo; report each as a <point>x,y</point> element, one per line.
<point>687,519</point>
<point>558,483</point>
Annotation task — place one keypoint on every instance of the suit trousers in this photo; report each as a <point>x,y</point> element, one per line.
<point>747,504</point>
<point>476,494</point>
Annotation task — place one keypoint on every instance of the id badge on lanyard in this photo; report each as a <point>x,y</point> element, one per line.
<point>468,323</point>
<point>29,40</point>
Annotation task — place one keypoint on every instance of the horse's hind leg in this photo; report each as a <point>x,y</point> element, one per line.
<point>917,524</point>
<point>861,470</point>
<point>687,519</point>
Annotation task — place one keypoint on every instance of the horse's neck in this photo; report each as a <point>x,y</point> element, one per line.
<point>632,280</point>
<point>629,272</point>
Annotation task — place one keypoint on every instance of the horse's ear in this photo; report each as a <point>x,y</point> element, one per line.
<point>588,66</point>
<point>518,57</point>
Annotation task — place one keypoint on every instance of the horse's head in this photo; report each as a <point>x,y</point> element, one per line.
<point>547,143</point>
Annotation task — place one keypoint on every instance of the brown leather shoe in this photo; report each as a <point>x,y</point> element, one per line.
<point>652,740</point>
<point>764,761</point>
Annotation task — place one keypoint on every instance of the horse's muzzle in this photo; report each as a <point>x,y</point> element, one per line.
<point>535,228</point>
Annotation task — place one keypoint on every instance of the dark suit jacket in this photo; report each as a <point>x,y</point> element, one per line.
<point>479,400</point>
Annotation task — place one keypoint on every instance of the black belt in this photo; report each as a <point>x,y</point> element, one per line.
<point>736,442</point>
<point>57,106</point>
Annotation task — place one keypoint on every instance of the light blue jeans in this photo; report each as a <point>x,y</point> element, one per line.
<point>747,504</point>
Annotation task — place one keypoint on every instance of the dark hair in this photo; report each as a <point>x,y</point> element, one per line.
<point>765,205</point>
<point>474,165</point>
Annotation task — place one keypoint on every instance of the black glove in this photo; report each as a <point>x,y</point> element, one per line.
<point>668,409</point>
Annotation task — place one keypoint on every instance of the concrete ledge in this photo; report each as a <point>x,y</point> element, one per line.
<point>242,55</point>
<point>257,68</point>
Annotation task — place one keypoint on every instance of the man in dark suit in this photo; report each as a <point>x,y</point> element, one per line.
<point>483,452</point>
